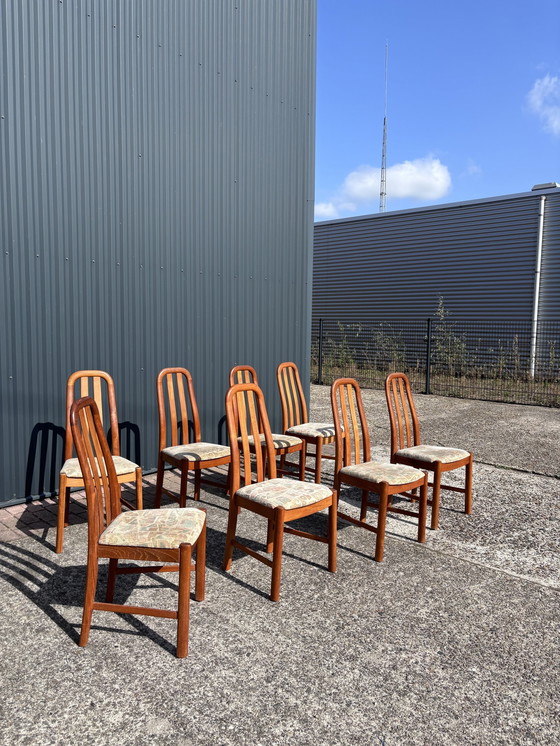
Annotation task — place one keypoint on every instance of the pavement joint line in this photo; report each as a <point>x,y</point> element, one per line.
<point>517,469</point>
<point>512,574</point>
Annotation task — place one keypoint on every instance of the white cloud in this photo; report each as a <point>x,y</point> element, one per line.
<point>544,101</point>
<point>423,179</point>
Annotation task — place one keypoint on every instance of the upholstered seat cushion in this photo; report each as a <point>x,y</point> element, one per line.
<point>198,451</point>
<point>71,467</point>
<point>430,454</point>
<point>157,529</point>
<point>279,441</point>
<point>377,472</point>
<point>313,430</point>
<point>285,493</point>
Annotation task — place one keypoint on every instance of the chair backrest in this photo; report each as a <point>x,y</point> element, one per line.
<point>246,418</point>
<point>176,403</point>
<point>243,374</point>
<point>405,428</point>
<point>294,407</point>
<point>96,463</point>
<point>351,428</point>
<point>99,385</point>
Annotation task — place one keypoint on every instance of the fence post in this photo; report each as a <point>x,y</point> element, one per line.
<point>428,355</point>
<point>320,360</point>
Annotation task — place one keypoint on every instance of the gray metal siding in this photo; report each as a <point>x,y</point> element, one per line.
<point>479,256</point>
<point>156,199</point>
<point>549,306</point>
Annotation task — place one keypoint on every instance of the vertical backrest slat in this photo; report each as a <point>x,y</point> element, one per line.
<point>183,408</point>
<point>355,427</point>
<point>405,428</point>
<point>294,407</point>
<point>172,409</point>
<point>351,429</point>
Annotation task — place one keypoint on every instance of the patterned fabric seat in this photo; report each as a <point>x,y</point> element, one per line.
<point>285,493</point>
<point>157,529</point>
<point>313,430</point>
<point>71,467</point>
<point>279,441</point>
<point>377,472</point>
<point>197,451</point>
<point>431,454</point>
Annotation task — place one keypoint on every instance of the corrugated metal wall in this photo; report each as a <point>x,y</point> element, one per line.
<point>479,255</point>
<point>156,199</point>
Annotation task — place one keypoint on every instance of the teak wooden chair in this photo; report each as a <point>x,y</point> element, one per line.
<point>295,419</point>
<point>162,536</point>
<point>278,500</point>
<point>354,467</point>
<point>283,444</point>
<point>175,396</point>
<point>101,386</point>
<point>406,445</point>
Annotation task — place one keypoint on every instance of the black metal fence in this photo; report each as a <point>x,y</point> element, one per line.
<point>509,361</point>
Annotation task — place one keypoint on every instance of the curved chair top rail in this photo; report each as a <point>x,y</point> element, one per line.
<point>243,374</point>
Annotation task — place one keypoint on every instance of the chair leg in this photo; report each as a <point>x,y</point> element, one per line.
<point>63,500</point>
<point>332,535</point>
<point>436,496</point>
<point>200,569</point>
<point>302,460</point>
<point>318,459</point>
<point>422,511</point>
<point>282,466</point>
<point>159,481</point>
<point>277,553</point>
<point>91,585</point>
<point>381,521</point>
<point>230,536</point>
<point>139,496</point>
<point>468,487</point>
<point>363,508</point>
<point>270,536</point>
<point>197,481</point>
<point>185,553</point>
<point>183,486</point>
<point>113,564</point>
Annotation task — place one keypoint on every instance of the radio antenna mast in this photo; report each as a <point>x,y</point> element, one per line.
<point>383,189</point>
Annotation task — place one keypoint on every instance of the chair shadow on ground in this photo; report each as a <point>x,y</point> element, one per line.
<point>45,457</point>
<point>50,585</point>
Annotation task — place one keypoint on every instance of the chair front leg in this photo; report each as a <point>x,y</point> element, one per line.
<point>332,535</point>
<point>230,536</point>
<point>91,585</point>
<point>63,500</point>
<point>363,508</point>
<point>318,459</point>
<point>197,481</point>
<point>436,496</point>
<point>270,536</point>
<point>279,515</point>
<point>302,460</point>
<point>159,481</point>
<point>422,511</point>
<point>468,486</point>
<point>139,497</point>
<point>381,521</point>
<point>200,568</point>
<point>184,485</point>
<point>185,554</point>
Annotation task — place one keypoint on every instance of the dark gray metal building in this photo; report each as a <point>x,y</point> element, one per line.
<point>156,197</point>
<point>481,256</point>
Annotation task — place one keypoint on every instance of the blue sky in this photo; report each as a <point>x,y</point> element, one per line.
<point>473,104</point>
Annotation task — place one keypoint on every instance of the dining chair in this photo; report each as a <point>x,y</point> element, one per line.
<point>355,468</point>
<point>295,420</point>
<point>283,443</point>
<point>101,386</point>
<point>407,447</point>
<point>181,449</point>
<point>162,536</point>
<point>255,487</point>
